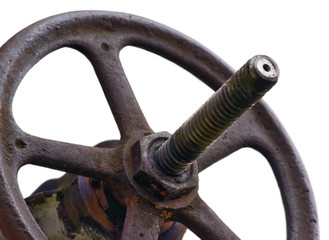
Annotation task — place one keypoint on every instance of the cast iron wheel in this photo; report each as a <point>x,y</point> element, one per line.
<point>100,36</point>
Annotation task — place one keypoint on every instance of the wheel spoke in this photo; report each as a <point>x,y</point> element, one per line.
<point>77,159</point>
<point>140,223</point>
<point>201,220</point>
<point>117,90</point>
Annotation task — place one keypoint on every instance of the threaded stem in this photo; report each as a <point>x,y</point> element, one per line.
<point>225,106</point>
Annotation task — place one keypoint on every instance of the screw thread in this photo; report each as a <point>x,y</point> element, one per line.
<point>225,106</point>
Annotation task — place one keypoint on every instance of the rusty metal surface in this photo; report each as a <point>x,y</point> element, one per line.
<point>100,36</point>
<point>63,210</point>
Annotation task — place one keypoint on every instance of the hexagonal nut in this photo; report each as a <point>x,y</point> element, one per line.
<point>147,173</point>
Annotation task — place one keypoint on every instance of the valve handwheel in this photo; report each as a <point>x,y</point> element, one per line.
<point>170,194</point>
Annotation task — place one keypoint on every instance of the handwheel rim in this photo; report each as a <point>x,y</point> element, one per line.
<point>17,57</point>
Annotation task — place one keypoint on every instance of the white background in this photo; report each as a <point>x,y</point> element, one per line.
<point>61,99</point>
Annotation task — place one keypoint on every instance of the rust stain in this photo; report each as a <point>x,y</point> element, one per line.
<point>166,214</point>
<point>93,205</point>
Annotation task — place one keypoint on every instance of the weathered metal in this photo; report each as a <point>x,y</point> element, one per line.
<point>111,171</point>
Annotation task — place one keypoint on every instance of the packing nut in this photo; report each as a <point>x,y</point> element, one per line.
<point>149,175</point>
